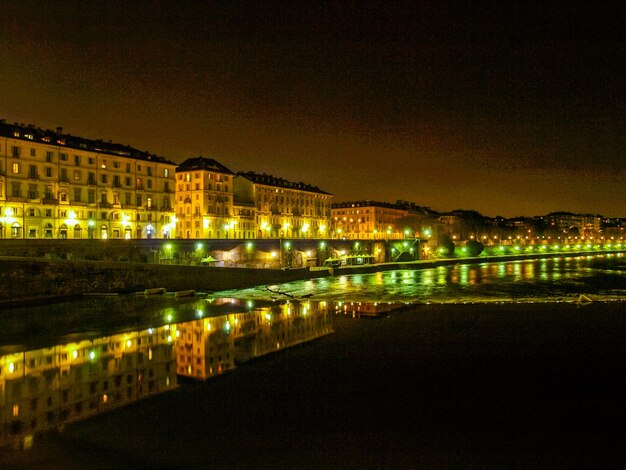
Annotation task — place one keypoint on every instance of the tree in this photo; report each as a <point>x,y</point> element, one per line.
<point>445,246</point>
<point>474,248</point>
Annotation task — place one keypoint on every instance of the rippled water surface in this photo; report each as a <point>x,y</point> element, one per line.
<point>549,279</point>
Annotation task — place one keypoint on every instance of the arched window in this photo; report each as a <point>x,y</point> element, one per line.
<point>16,230</point>
<point>48,231</point>
<point>104,233</point>
<point>77,231</point>
<point>63,231</point>
<point>127,233</point>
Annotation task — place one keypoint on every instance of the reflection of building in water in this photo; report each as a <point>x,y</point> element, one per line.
<point>210,346</point>
<point>46,388</point>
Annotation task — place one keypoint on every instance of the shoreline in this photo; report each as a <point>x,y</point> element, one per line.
<point>65,279</point>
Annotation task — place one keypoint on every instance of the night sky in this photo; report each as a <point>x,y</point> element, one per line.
<point>508,108</point>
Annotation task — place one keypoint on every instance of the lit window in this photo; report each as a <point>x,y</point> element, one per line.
<point>15,167</point>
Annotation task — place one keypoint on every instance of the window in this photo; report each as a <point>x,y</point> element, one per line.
<point>91,178</point>
<point>49,156</point>
<point>116,164</point>
<point>149,183</point>
<point>116,181</point>
<point>166,172</point>
<point>90,160</point>
<point>104,164</point>
<point>149,170</point>
<point>77,175</point>
<point>103,178</point>
<point>16,190</point>
<point>103,198</point>
<point>63,197</point>
<point>127,199</point>
<point>32,191</point>
<point>63,157</point>
<point>49,212</point>
<point>48,171</point>
<point>33,152</point>
<point>127,181</point>
<point>64,174</point>
<point>77,160</point>
<point>149,202</point>
<point>32,172</point>
<point>139,183</point>
<point>128,168</point>
<point>15,168</point>
<point>91,196</point>
<point>78,194</point>
<point>138,168</point>
<point>139,200</point>
<point>15,151</point>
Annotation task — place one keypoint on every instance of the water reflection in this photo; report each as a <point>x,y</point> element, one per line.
<point>544,279</point>
<point>81,376</point>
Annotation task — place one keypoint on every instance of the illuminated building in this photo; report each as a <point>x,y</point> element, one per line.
<point>55,185</point>
<point>284,209</point>
<point>368,220</point>
<point>204,201</point>
<point>46,388</point>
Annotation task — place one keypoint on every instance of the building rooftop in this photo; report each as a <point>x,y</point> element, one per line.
<point>270,180</point>
<point>30,133</point>
<point>203,163</point>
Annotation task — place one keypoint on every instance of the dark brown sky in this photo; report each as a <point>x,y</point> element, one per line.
<point>515,109</point>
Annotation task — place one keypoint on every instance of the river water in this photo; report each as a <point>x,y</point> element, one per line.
<point>548,279</point>
<point>379,384</point>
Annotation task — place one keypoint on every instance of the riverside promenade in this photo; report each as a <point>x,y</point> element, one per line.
<point>26,280</point>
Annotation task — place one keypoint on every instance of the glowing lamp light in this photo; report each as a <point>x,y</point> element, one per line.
<point>11,368</point>
<point>322,245</point>
<point>249,246</point>
<point>305,228</point>
<point>287,245</point>
<point>92,355</point>
<point>322,228</point>
<point>199,246</point>
<point>273,254</point>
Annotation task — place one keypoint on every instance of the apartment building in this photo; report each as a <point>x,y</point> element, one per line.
<point>283,209</point>
<point>55,185</point>
<point>368,220</point>
<point>204,201</point>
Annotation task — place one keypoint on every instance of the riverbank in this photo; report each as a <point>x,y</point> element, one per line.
<point>27,280</point>
<point>435,386</point>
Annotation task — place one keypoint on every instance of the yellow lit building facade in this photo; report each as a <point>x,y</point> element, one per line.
<point>54,185</point>
<point>367,220</point>
<point>284,209</point>
<point>204,202</point>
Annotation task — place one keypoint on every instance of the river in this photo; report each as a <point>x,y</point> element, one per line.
<point>492,366</point>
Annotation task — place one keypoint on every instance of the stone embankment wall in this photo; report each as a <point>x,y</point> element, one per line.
<point>23,279</point>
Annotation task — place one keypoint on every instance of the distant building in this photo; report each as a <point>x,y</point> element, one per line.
<point>55,185</point>
<point>367,219</point>
<point>283,209</point>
